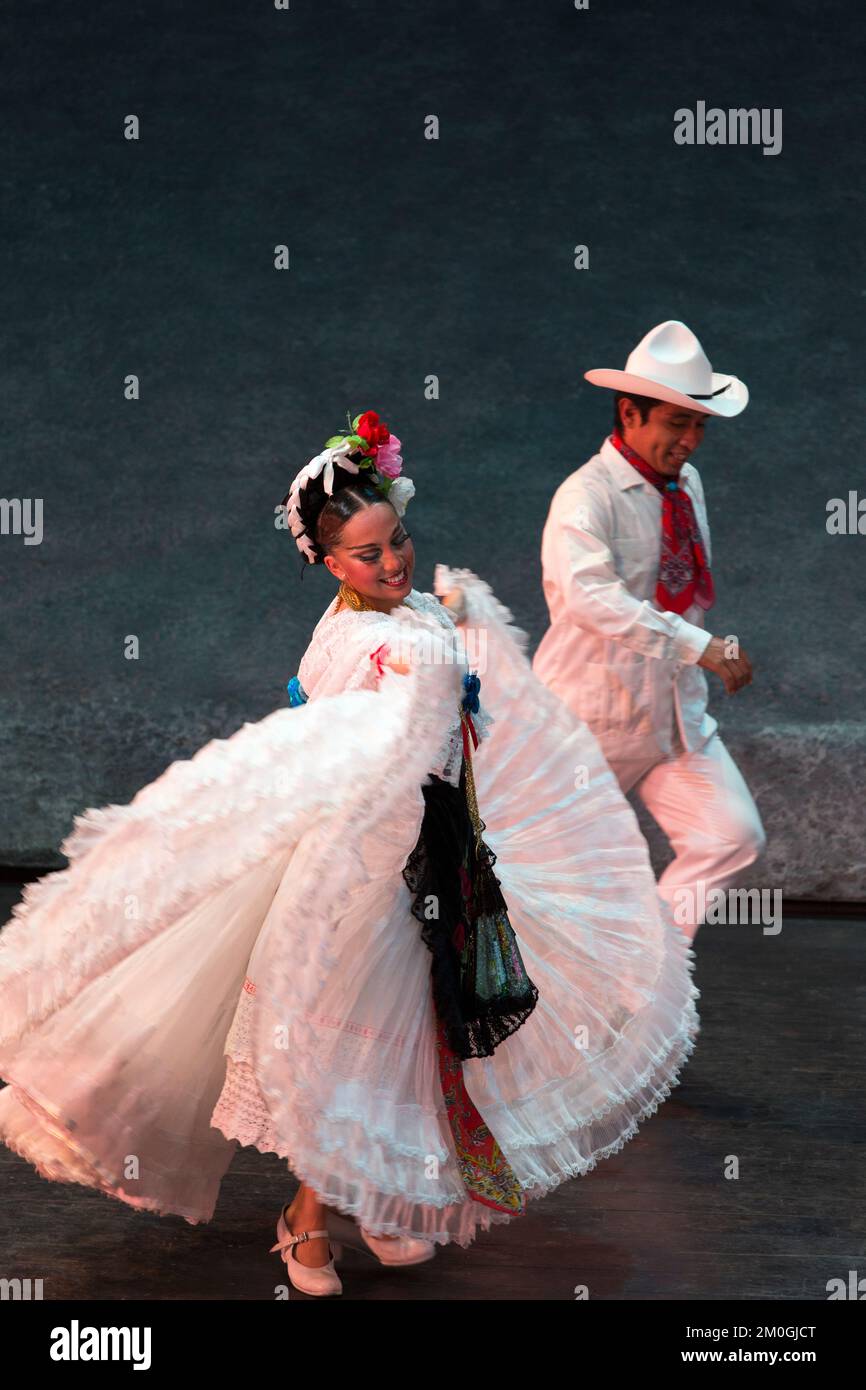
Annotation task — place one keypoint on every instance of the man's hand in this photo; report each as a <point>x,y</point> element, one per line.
<point>734,671</point>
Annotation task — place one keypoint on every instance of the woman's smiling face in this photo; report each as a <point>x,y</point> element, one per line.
<point>375,555</point>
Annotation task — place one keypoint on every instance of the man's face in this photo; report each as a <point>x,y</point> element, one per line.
<point>666,438</point>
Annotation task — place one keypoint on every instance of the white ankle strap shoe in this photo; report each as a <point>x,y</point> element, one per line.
<point>315,1280</point>
<point>401,1250</point>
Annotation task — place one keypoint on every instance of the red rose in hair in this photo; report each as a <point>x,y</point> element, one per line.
<point>371,429</point>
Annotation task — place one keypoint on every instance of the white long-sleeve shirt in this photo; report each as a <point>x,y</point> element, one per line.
<point>623,664</point>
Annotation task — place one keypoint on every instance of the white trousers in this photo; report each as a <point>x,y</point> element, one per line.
<point>703,805</point>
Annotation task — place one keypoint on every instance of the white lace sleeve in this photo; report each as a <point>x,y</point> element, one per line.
<point>342,653</point>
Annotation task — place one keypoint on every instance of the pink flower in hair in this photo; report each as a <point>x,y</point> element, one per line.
<point>388,460</point>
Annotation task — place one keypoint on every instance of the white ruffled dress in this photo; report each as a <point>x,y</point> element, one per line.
<point>231,958</point>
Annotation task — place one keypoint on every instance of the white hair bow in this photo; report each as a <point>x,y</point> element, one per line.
<point>325,460</point>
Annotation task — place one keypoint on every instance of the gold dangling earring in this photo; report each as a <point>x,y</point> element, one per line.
<point>352,598</point>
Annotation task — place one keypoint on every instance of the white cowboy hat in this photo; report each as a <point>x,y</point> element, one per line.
<point>669,364</point>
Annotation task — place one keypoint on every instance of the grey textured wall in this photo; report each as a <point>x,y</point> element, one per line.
<point>411,257</point>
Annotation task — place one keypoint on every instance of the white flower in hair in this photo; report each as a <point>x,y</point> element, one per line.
<point>400,493</point>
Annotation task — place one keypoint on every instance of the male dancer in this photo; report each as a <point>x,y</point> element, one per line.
<point>626,571</point>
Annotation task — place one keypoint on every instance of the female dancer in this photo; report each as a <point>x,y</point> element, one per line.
<point>296,940</point>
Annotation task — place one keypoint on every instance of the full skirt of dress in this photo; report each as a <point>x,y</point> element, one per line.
<point>233,959</point>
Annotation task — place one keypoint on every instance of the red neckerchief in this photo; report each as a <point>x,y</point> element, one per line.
<point>684,575</point>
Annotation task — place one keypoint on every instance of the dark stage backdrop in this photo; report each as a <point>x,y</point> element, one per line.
<point>409,259</point>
